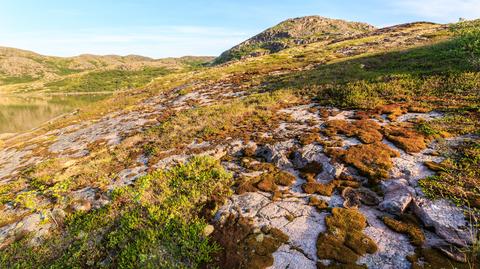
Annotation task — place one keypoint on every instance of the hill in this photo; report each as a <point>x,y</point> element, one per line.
<point>294,32</point>
<point>348,153</point>
<point>37,72</point>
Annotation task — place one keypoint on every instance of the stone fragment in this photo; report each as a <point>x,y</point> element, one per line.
<point>398,195</point>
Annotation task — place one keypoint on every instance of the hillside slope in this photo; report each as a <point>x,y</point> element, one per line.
<point>294,32</point>
<point>34,72</point>
<point>359,152</point>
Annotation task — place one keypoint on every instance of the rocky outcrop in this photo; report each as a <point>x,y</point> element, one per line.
<point>293,32</point>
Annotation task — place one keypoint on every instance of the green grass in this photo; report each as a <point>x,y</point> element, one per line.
<point>111,80</point>
<point>154,224</point>
<point>15,80</point>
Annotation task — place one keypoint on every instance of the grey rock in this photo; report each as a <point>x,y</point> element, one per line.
<point>398,195</point>
<point>314,153</point>
<point>277,153</point>
<point>393,248</point>
<point>288,257</point>
<point>448,220</point>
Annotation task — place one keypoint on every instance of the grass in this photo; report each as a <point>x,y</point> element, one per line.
<point>154,224</point>
<point>111,80</point>
<point>15,80</point>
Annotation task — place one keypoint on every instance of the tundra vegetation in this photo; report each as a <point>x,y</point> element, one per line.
<point>164,218</point>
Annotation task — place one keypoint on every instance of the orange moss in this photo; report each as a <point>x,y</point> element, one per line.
<point>243,247</point>
<point>267,182</point>
<point>327,189</point>
<point>372,160</point>
<point>405,138</point>
<point>309,138</point>
<point>344,241</point>
<point>416,235</point>
<point>318,203</point>
<point>312,168</point>
<point>393,111</point>
<point>366,130</point>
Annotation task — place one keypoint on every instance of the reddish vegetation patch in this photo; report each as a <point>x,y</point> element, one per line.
<point>318,203</point>
<point>344,241</point>
<point>327,189</point>
<point>312,168</point>
<point>243,247</point>
<point>309,138</point>
<point>428,258</point>
<point>371,160</point>
<point>393,111</point>
<point>405,138</point>
<point>267,182</point>
<point>408,227</point>
<point>368,131</point>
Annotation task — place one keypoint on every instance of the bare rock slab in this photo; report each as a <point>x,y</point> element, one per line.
<point>448,220</point>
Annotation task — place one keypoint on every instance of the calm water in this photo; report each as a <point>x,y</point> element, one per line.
<point>22,113</point>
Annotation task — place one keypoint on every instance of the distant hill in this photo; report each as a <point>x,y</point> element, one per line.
<point>293,32</point>
<point>21,66</point>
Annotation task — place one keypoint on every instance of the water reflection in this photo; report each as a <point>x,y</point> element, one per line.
<point>22,113</point>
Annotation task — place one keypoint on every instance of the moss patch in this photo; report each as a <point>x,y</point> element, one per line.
<point>267,182</point>
<point>406,138</point>
<point>344,241</point>
<point>407,227</point>
<point>318,203</point>
<point>428,258</point>
<point>371,160</point>
<point>366,130</point>
<point>245,247</point>
<point>327,189</point>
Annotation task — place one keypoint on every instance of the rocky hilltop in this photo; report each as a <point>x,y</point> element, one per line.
<point>294,32</point>
<point>361,152</point>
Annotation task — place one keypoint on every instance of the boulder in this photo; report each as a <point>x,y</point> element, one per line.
<point>398,195</point>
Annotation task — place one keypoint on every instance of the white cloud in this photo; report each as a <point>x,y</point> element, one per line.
<point>441,10</point>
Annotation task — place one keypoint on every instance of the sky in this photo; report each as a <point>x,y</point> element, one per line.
<point>189,27</point>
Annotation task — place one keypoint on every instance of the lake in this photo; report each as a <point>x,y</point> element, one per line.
<point>23,113</point>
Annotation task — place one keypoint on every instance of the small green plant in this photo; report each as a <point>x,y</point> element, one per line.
<point>426,129</point>
<point>154,224</point>
<point>468,35</point>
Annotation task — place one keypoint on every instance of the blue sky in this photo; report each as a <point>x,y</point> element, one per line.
<point>188,27</point>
